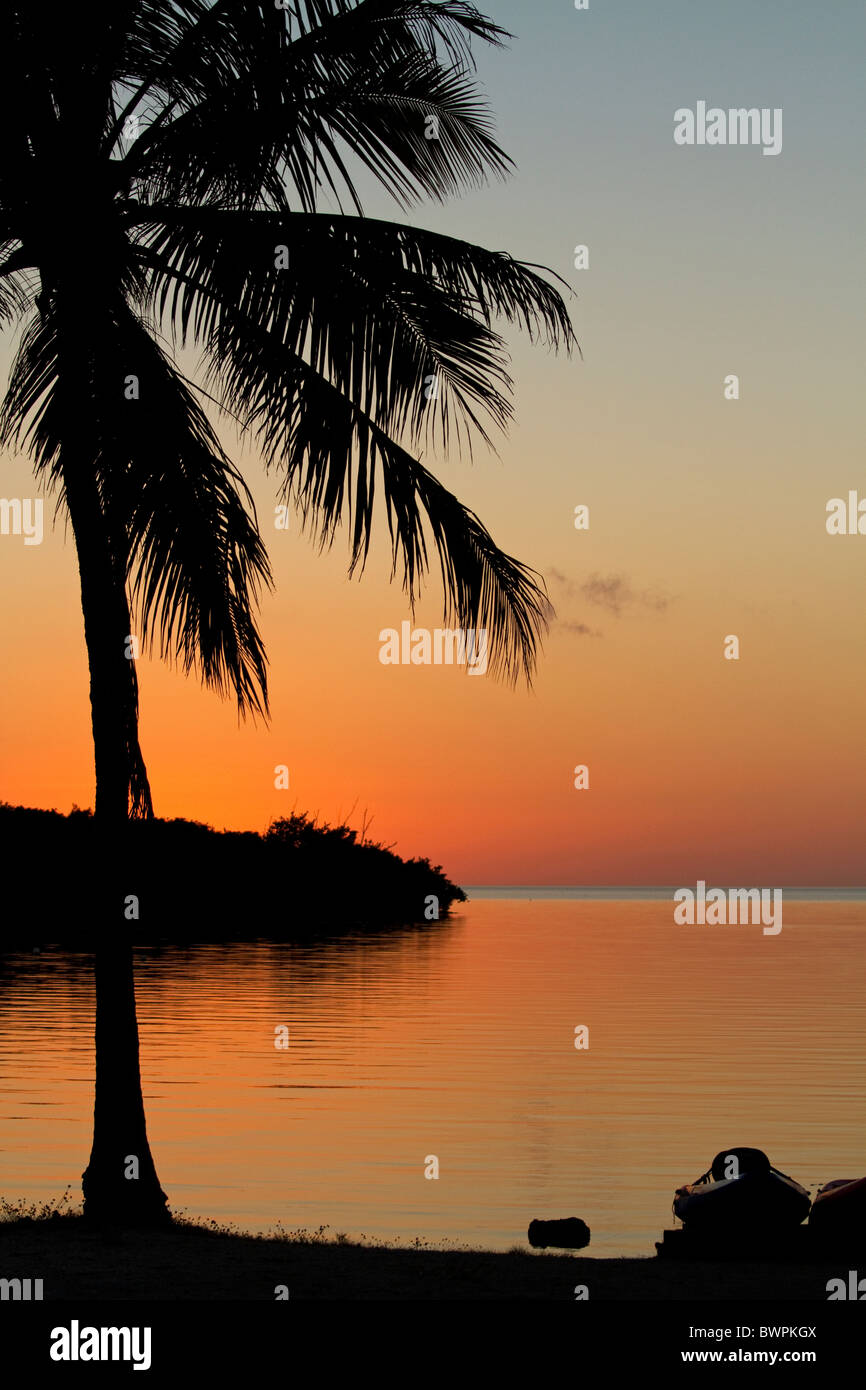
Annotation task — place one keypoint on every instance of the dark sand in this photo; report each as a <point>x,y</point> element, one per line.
<point>76,1262</point>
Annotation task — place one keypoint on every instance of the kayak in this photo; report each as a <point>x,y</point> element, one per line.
<point>839,1207</point>
<point>742,1191</point>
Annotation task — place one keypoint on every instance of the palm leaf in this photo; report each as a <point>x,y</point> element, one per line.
<point>378,307</point>
<point>237,104</point>
<point>179,514</point>
<point>332,452</point>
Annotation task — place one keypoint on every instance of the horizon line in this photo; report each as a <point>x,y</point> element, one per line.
<point>656,887</point>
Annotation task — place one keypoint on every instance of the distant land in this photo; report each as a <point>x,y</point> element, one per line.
<point>606,892</point>
<point>184,881</point>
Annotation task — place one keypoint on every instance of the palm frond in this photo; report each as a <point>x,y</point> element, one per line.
<point>17,282</point>
<point>244,102</point>
<point>196,555</point>
<point>177,510</point>
<point>332,453</point>
<point>384,311</point>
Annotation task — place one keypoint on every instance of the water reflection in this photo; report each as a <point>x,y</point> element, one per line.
<point>457,1040</point>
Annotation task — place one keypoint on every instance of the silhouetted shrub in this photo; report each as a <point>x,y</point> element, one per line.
<point>196,883</point>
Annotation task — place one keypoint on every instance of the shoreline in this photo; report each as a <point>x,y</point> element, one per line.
<point>190,1261</point>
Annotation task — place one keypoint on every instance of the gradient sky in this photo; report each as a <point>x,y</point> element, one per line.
<point>707,516</point>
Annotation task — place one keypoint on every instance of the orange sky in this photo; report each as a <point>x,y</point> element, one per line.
<point>748,771</point>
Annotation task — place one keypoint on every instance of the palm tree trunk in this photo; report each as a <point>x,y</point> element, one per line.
<point>120,1183</point>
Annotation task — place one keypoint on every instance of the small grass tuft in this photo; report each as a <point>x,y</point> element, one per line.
<point>52,1209</point>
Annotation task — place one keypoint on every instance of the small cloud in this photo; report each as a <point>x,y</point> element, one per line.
<point>561,580</point>
<point>607,593</point>
<point>616,594</point>
<point>613,592</point>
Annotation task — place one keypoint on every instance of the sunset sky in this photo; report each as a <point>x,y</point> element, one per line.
<point>707,516</point>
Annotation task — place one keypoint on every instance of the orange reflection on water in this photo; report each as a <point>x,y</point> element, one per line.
<point>457,1041</point>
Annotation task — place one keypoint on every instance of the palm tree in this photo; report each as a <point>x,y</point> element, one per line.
<point>164,169</point>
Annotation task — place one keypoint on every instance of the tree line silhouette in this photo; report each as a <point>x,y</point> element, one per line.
<point>184,881</point>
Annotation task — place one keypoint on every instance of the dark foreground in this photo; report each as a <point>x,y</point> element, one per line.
<point>78,1263</point>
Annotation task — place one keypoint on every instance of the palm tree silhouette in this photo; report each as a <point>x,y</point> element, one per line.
<point>162,178</point>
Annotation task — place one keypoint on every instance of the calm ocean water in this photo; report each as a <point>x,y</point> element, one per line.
<point>457,1040</point>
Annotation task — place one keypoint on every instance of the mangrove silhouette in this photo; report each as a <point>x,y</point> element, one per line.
<point>193,883</point>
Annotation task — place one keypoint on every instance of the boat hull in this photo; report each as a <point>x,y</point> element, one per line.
<point>756,1200</point>
<point>839,1208</point>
